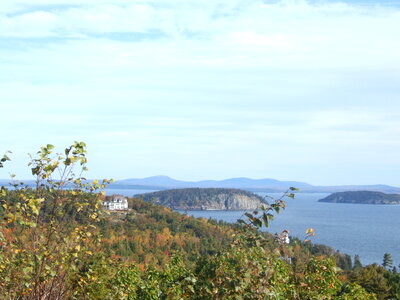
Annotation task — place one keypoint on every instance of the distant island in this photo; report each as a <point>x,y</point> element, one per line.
<point>205,199</point>
<point>362,197</point>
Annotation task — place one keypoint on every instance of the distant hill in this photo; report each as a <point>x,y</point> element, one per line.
<point>362,197</point>
<point>205,199</point>
<point>254,185</point>
<point>242,182</point>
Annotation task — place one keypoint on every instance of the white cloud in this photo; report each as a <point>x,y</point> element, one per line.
<point>285,33</point>
<point>289,82</point>
<point>252,39</point>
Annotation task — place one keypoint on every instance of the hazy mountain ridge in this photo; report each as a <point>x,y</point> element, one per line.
<point>256,185</point>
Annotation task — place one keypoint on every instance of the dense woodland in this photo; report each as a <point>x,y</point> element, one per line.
<point>59,243</point>
<point>150,234</point>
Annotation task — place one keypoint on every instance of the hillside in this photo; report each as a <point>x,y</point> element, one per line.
<point>59,242</point>
<point>150,234</point>
<point>362,197</point>
<point>205,199</point>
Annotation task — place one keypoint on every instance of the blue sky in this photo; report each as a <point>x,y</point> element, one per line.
<point>292,90</point>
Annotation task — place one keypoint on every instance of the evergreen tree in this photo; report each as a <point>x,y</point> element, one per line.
<point>372,279</point>
<point>357,262</point>
<point>387,260</point>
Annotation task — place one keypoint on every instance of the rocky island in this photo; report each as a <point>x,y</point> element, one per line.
<point>205,199</point>
<point>362,197</point>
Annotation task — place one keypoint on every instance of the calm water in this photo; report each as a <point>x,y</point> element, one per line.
<point>366,230</point>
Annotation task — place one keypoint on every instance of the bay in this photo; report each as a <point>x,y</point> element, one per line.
<point>367,230</point>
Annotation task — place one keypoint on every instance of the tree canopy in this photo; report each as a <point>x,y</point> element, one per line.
<point>57,242</point>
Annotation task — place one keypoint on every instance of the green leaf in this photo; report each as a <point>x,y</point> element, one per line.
<point>4,159</point>
<point>249,215</point>
<point>35,171</point>
<point>266,220</point>
<point>27,270</point>
<point>257,222</point>
<point>276,208</point>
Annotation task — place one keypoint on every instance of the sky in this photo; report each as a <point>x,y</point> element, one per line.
<point>287,89</point>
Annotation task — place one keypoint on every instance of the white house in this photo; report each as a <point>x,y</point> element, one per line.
<point>283,237</point>
<point>116,202</point>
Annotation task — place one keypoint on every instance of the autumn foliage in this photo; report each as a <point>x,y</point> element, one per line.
<point>57,242</point>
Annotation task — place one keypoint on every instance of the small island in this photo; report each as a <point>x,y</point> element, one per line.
<point>205,199</point>
<point>362,197</point>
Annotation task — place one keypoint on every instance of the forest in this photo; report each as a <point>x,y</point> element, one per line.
<point>58,242</point>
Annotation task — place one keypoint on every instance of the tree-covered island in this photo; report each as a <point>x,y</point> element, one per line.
<point>205,199</point>
<point>362,197</point>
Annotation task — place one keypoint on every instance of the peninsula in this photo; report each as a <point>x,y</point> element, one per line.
<point>205,199</point>
<point>362,197</point>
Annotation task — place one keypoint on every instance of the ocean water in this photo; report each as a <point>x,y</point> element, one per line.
<point>367,230</point>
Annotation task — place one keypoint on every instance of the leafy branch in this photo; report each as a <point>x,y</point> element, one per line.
<point>266,213</point>
<point>4,159</point>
